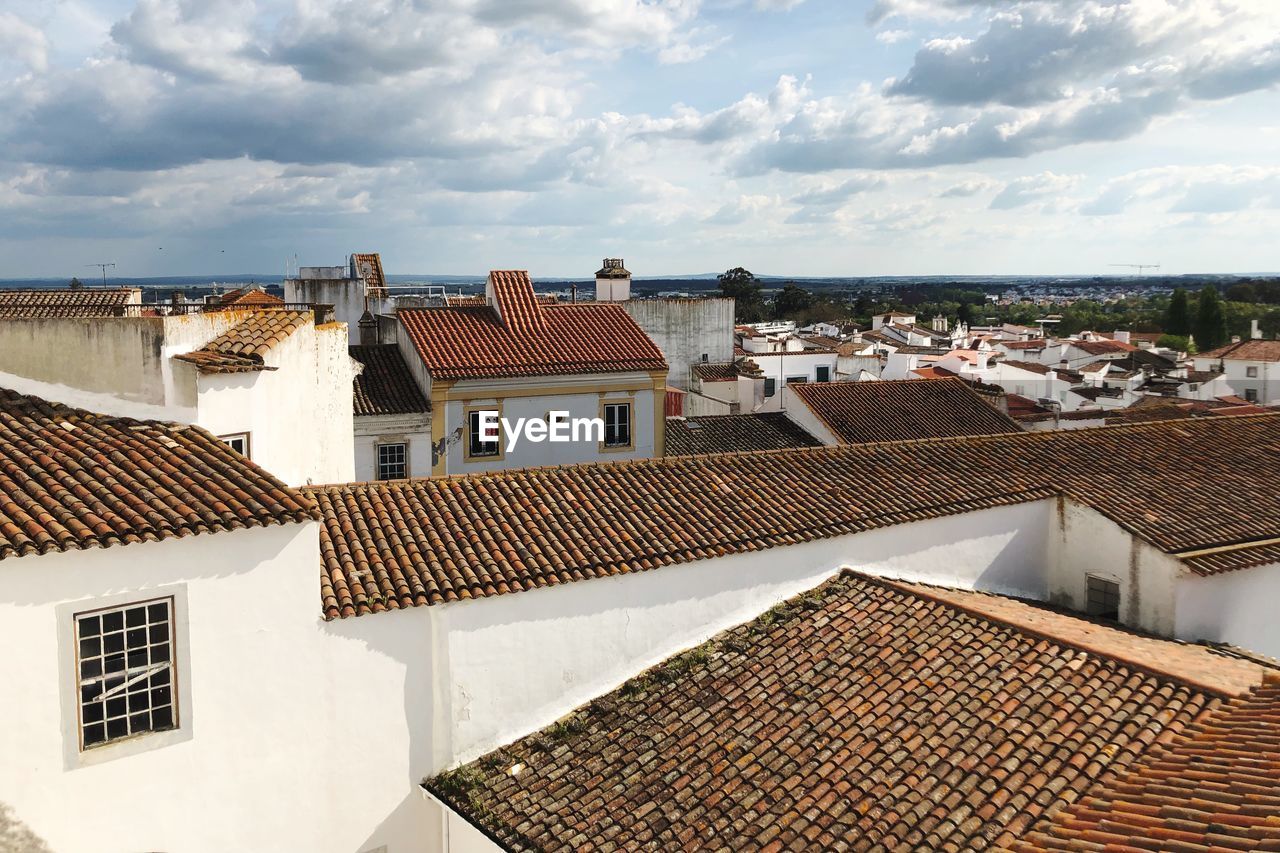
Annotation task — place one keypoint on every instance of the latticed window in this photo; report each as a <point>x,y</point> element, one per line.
<point>617,425</point>
<point>392,462</point>
<point>1103,599</point>
<point>124,671</point>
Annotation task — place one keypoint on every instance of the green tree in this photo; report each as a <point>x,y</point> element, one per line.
<point>792,301</point>
<point>1180,343</point>
<point>1177,319</point>
<point>746,291</point>
<point>1242,292</point>
<point>1211,322</point>
<point>76,283</point>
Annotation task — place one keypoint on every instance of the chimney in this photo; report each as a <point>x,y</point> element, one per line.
<point>1122,337</point>
<point>1235,339</point>
<point>983,359</point>
<point>940,324</point>
<point>368,330</point>
<point>613,282</point>
<point>177,299</point>
<point>1254,332</point>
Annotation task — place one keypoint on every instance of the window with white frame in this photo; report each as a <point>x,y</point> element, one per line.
<point>1251,372</point>
<point>393,461</point>
<point>478,444</point>
<point>617,424</point>
<point>125,671</point>
<point>238,441</point>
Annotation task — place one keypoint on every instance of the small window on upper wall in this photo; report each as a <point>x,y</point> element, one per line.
<point>393,461</point>
<point>1103,600</point>
<point>822,373</point>
<point>237,441</point>
<point>617,424</point>
<point>770,387</point>
<point>125,671</point>
<point>1251,372</point>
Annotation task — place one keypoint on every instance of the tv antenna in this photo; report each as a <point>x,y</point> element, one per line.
<point>102,267</point>
<point>1139,267</point>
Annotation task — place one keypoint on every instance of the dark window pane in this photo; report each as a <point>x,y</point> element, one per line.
<point>162,718</point>
<point>160,696</point>
<point>136,637</point>
<point>158,612</point>
<point>89,692</point>
<point>90,647</point>
<point>160,679</point>
<point>114,663</point>
<point>92,712</point>
<point>113,621</point>
<point>160,653</point>
<point>139,702</point>
<point>159,633</point>
<point>137,658</point>
<point>140,722</point>
<point>116,707</point>
<point>135,616</point>
<point>91,668</point>
<point>117,728</point>
<point>89,626</point>
<point>114,642</point>
<point>95,733</point>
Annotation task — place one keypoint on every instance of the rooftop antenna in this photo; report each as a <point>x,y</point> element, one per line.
<point>1139,267</point>
<point>102,267</point>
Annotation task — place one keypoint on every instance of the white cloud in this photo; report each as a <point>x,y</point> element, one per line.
<point>1033,188</point>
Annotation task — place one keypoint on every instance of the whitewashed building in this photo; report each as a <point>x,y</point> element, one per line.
<point>1251,368</point>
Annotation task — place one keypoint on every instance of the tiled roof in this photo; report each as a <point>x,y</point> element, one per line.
<point>80,302</point>
<point>730,433</point>
<point>1039,343</point>
<point>71,479</point>
<point>241,348</point>
<point>524,337</point>
<point>1246,350</point>
<point>728,371</point>
<point>385,386</point>
<point>1103,347</point>
<point>902,410</point>
<point>368,266</point>
<point>242,296</point>
<point>1206,483</point>
<point>1029,366</point>
<point>1215,561</point>
<point>1214,787</point>
<point>865,715</point>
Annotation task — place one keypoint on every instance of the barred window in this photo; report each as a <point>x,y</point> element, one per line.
<point>1103,599</point>
<point>124,671</point>
<point>392,462</point>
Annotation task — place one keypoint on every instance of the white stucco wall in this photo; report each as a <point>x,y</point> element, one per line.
<point>1088,543</point>
<point>298,416</point>
<point>779,366</point>
<point>296,734</point>
<point>1236,373</point>
<point>412,430</point>
<point>1234,607</point>
<point>799,412</point>
<point>686,330</point>
<point>570,395</point>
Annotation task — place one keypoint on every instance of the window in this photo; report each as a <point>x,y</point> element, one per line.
<point>1251,372</point>
<point>393,461</point>
<point>1195,386</point>
<point>797,380</point>
<point>124,671</point>
<point>237,441</point>
<point>1251,394</point>
<point>770,387</point>
<point>1103,600</point>
<point>822,373</point>
<point>478,444</point>
<point>617,424</point>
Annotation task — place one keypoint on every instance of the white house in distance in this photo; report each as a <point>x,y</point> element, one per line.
<point>392,417</point>
<point>1251,368</point>
<point>271,381</point>
<point>784,359</point>
<point>523,359</point>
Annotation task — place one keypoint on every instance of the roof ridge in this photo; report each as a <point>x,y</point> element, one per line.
<point>1134,661</point>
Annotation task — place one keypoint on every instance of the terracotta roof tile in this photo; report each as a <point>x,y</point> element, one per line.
<point>241,348</point>
<point>1206,483</point>
<point>66,302</point>
<point>1215,786</point>
<point>1246,350</point>
<point>730,433</point>
<point>250,296</point>
<point>524,337</point>
<point>902,409</point>
<point>385,386</point>
<point>368,266</point>
<point>71,479</point>
<point>863,715</point>
<point>1103,347</point>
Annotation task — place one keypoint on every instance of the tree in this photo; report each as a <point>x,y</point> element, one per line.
<point>1177,320</point>
<point>1242,292</point>
<point>746,292</point>
<point>1211,323</point>
<point>792,301</point>
<point>76,283</point>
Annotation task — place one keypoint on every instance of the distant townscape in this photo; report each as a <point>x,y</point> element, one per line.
<point>350,562</point>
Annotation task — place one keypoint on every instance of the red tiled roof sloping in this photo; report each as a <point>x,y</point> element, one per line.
<point>861,715</point>
<point>368,266</point>
<point>65,302</point>
<point>385,386</point>
<point>241,297</point>
<point>1246,350</point>
<point>902,410</point>
<point>71,479</point>
<point>1206,483</point>
<point>1214,787</point>
<point>1102,347</point>
<point>473,343</point>
<point>734,433</point>
<point>241,348</point>
<point>513,298</point>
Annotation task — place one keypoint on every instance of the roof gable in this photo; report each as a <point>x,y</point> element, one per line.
<point>241,349</point>
<point>66,302</point>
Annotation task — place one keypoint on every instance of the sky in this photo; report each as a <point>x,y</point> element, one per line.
<point>792,137</point>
